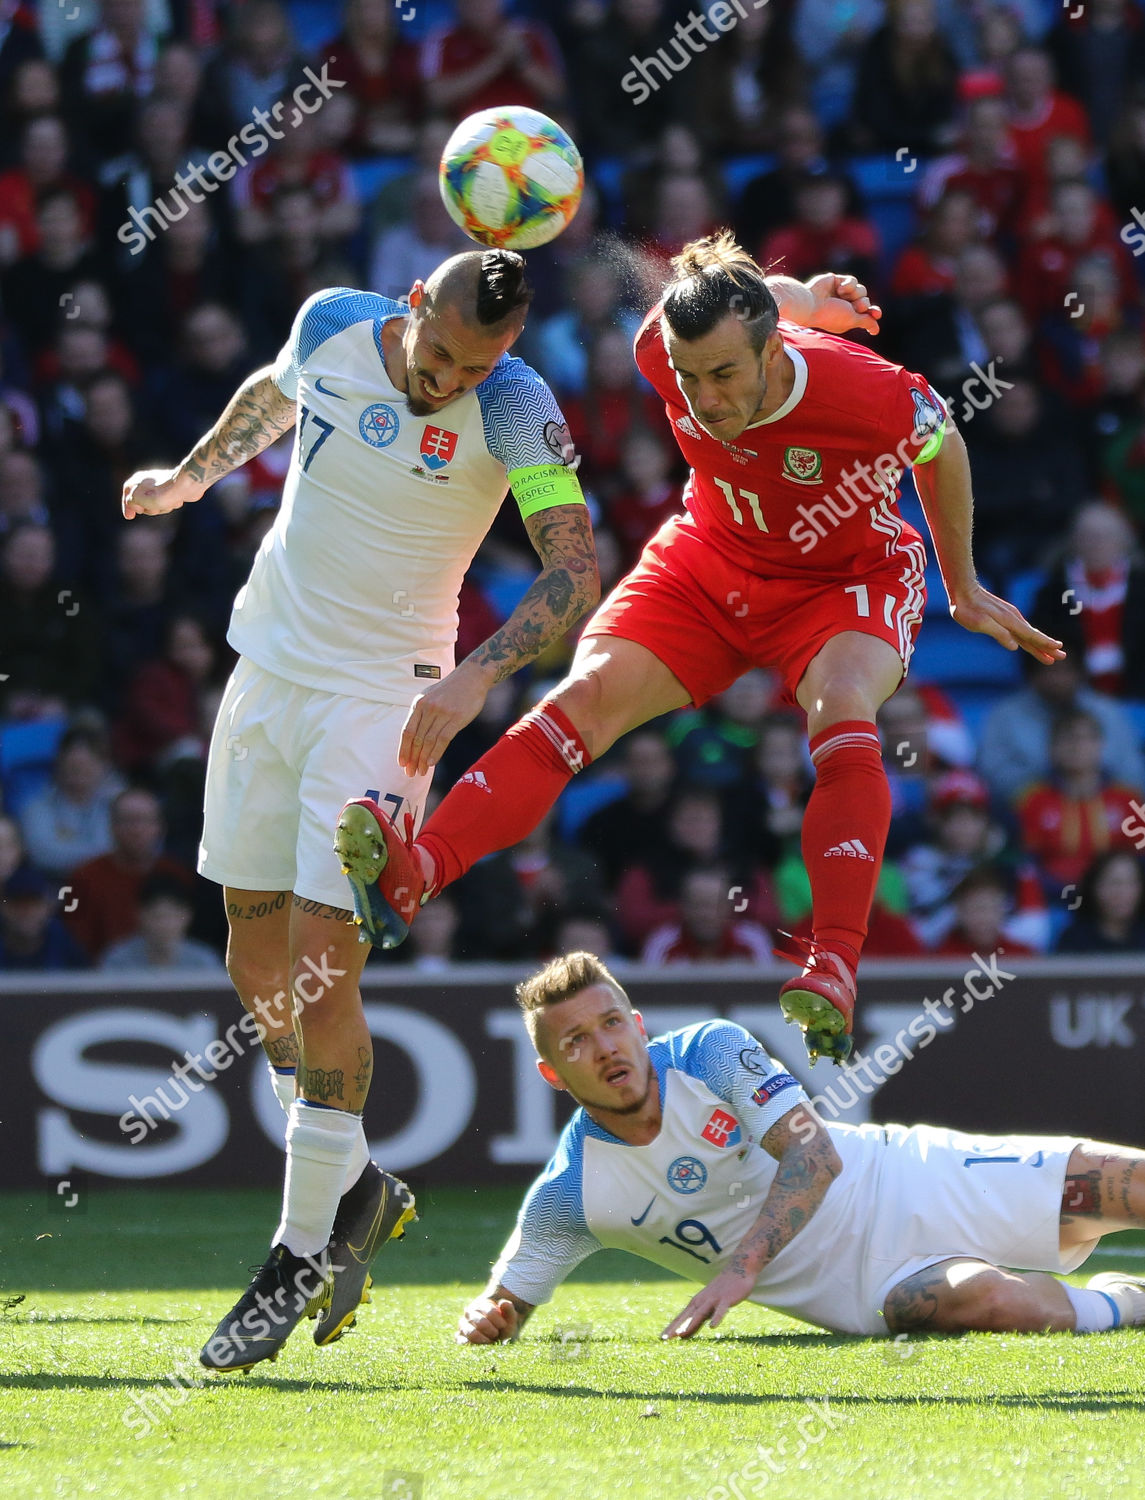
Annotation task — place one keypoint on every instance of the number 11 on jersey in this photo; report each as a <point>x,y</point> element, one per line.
<point>753,501</point>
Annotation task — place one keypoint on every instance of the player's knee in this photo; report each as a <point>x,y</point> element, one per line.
<point>989,1304</point>
<point>253,976</point>
<point>581,699</point>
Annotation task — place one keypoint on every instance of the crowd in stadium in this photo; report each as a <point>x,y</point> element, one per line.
<point>981,166</point>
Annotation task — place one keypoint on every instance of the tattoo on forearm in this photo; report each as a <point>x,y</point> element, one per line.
<point>802,1178</point>
<point>258,413</point>
<point>319,1084</point>
<point>568,586</point>
<point>282,1051</point>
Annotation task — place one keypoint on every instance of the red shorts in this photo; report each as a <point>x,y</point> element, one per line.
<point>709,621</point>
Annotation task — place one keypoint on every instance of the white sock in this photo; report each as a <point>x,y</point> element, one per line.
<point>319,1145</point>
<point>1096,1313</point>
<point>283,1081</point>
<point>359,1156</point>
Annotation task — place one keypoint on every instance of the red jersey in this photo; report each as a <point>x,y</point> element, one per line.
<point>813,488</point>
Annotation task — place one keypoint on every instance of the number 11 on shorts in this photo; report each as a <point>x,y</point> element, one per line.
<point>863,603</point>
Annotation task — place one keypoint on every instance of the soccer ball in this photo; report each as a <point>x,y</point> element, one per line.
<point>511,178</point>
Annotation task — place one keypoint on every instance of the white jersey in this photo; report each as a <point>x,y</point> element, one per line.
<point>904,1199</point>
<point>354,589</point>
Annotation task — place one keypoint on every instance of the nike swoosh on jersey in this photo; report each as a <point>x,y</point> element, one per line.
<point>645,1214</point>
<point>318,386</point>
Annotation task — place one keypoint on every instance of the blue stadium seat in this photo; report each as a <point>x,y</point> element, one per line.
<point>738,171</point>
<point>1135,711</point>
<point>1022,588</point>
<point>27,752</point>
<point>583,796</point>
<point>607,174</point>
<point>974,703</point>
<point>947,655</point>
<point>371,176</point>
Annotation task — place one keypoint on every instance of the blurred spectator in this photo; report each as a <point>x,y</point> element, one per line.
<point>631,828</point>
<point>1039,112</point>
<point>767,202</point>
<point>1014,747</point>
<point>1008,336</point>
<point>626,88</point>
<point>906,87</point>
<point>685,206</point>
<point>1099,53</point>
<point>649,494</point>
<point>43,166</point>
<point>19,40</point>
<point>302,159</point>
<point>34,90</point>
<point>162,714</point>
<point>765,819</point>
<point>1110,918</point>
<point>135,180</point>
<point>138,606</point>
<point>295,262</point>
<point>678,154</point>
<point>190,266</point>
<point>161,941</point>
<point>12,854</point>
<point>382,76</point>
<point>1048,267</point>
<point>649,894</point>
<point>617,403</point>
<point>715,746</point>
<point>595,304</point>
<point>931,264</point>
<point>21,491</point>
<point>707,930</point>
<point>822,234</point>
<point>1094,602</point>
<point>212,362</point>
<point>70,820</point>
<point>1077,812</point>
<point>106,73</point>
<point>831,38</point>
<point>257,68</point>
<point>35,286</point>
<point>984,166</point>
<point>51,653</point>
<point>1025,464</point>
<point>106,890</point>
<point>178,75</point>
<point>585,932</point>
<point>939,335</point>
<point>1125,158</point>
<point>487,59</point>
<point>409,251</point>
<point>32,937</point>
<point>982,902</point>
<point>746,80</point>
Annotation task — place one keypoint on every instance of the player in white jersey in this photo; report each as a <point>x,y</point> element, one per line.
<point>699,1152</point>
<point>411,424</point>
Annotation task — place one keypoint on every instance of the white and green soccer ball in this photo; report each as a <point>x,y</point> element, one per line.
<point>511,177</point>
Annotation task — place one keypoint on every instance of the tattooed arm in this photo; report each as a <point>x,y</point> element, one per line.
<point>808,1165</point>
<point>567,586</point>
<point>256,415</point>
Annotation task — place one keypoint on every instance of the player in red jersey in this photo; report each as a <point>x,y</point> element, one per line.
<point>791,555</point>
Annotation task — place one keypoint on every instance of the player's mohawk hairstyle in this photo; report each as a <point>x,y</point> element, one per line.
<point>715,277</point>
<point>560,979</point>
<point>502,287</point>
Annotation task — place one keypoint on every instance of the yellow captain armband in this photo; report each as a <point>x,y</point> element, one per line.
<point>541,486</point>
<point>924,455</point>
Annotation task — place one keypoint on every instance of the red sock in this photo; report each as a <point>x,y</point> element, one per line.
<point>505,794</point>
<point>844,833</point>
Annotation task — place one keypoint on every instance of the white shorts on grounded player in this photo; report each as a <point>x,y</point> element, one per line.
<point>283,760</point>
<point>909,1197</point>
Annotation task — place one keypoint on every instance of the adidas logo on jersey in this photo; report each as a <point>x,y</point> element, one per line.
<point>688,427</point>
<point>477,778</point>
<point>850,849</point>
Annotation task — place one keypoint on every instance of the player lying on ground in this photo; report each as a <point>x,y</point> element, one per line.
<point>412,421</point>
<point>699,1152</point>
<point>792,555</point>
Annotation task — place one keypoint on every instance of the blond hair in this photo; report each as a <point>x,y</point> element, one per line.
<point>561,979</point>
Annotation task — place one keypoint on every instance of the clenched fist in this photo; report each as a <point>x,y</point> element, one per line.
<point>154,492</point>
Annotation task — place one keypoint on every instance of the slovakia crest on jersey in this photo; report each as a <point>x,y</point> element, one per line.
<point>438,445</point>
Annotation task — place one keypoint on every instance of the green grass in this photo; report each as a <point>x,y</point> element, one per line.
<point>121,1294</point>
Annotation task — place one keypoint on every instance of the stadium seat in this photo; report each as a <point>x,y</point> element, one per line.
<point>27,752</point>
<point>947,655</point>
<point>583,796</point>
<point>738,171</point>
<point>371,176</point>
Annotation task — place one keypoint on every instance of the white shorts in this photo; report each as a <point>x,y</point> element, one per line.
<point>913,1196</point>
<point>283,760</point>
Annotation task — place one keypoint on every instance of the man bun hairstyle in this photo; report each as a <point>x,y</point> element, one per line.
<point>560,979</point>
<point>502,286</point>
<point>716,278</point>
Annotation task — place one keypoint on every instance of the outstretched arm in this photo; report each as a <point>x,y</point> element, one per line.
<point>256,415</point>
<point>493,1318</point>
<point>808,1165</point>
<point>944,487</point>
<point>835,304</point>
<point>567,586</point>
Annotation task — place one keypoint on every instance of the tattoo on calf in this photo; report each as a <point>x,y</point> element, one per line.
<point>283,1051</point>
<point>321,1085</point>
<point>365,1068</point>
<point>913,1305</point>
<point>320,909</point>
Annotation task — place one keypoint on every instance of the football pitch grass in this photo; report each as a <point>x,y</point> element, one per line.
<point>120,1293</point>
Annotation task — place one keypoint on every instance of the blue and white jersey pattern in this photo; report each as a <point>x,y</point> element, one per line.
<point>355,587</point>
<point>686,1199</point>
